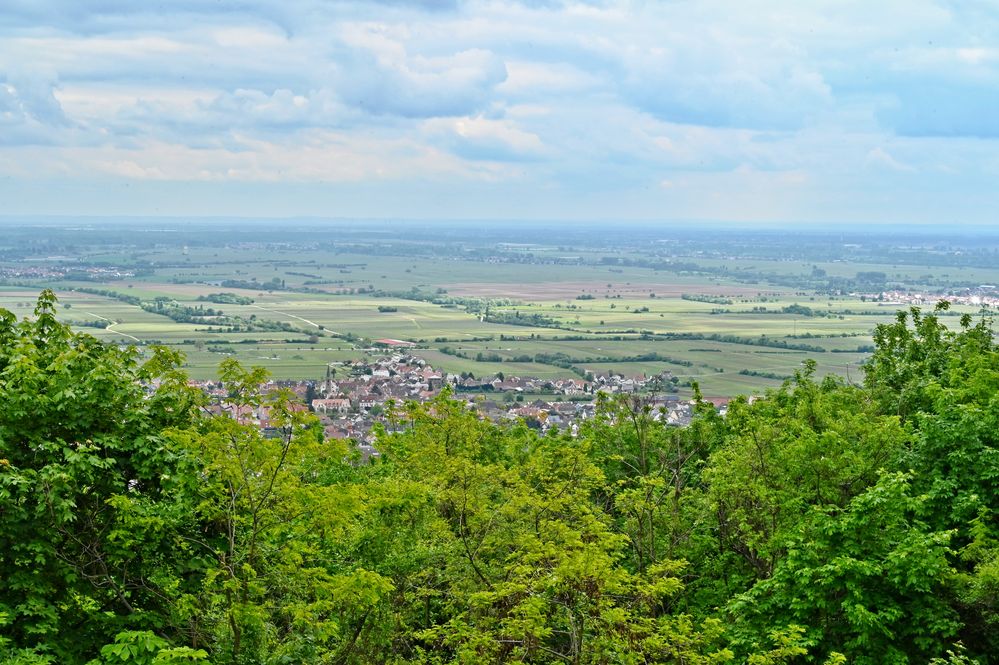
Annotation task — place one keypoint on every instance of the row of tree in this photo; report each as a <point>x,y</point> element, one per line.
<point>826,523</point>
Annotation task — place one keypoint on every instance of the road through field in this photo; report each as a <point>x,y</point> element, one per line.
<point>311,323</point>
<point>110,328</point>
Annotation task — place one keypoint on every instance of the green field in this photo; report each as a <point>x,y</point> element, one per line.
<point>590,308</point>
<point>321,321</point>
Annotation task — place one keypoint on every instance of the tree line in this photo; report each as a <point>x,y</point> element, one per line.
<point>825,523</point>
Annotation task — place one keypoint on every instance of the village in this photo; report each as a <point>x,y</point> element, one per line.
<point>353,397</point>
<point>984,295</point>
<point>61,267</point>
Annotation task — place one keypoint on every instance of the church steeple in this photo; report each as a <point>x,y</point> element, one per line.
<point>328,387</point>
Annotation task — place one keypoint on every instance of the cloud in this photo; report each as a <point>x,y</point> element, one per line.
<point>315,156</point>
<point>879,158</point>
<point>30,112</point>
<point>480,138</point>
<point>380,76</point>
<point>194,119</point>
<point>528,79</point>
<point>589,101</point>
<point>701,84</point>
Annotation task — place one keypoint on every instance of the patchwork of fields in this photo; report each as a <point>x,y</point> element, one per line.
<point>734,325</point>
<point>603,334</point>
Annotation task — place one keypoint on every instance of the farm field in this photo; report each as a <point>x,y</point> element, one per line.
<point>734,325</point>
<point>713,364</point>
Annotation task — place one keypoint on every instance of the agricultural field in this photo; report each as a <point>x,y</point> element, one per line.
<point>736,317</point>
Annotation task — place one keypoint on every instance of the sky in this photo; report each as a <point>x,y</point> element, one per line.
<point>744,111</point>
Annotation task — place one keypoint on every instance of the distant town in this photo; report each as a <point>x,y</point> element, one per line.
<point>985,295</point>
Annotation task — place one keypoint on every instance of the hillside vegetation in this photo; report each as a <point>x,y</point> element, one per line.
<point>826,523</point>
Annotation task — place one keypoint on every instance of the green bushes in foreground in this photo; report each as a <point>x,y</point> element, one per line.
<point>826,523</point>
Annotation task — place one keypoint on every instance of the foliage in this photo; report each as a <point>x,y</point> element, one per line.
<point>866,580</point>
<point>227,298</point>
<point>822,523</point>
<point>945,385</point>
<point>83,463</point>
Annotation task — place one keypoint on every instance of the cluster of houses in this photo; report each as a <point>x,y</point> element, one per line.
<point>608,382</point>
<point>352,397</point>
<point>985,295</point>
<point>44,271</point>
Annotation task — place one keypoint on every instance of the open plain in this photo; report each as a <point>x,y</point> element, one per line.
<point>736,316</point>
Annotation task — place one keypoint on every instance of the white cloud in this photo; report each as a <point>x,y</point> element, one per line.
<point>481,138</point>
<point>591,101</point>
<point>533,78</point>
<point>880,158</point>
<point>382,77</point>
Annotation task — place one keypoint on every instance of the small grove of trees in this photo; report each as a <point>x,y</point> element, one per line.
<point>826,523</point>
<point>699,297</point>
<point>226,298</point>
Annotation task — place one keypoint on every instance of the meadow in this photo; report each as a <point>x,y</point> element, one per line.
<point>300,301</point>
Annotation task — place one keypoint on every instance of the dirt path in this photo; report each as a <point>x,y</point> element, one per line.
<point>303,320</point>
<point>311,323</point>
<point>110,328</point>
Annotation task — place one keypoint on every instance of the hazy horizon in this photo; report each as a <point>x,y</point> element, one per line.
<point>389,224</point>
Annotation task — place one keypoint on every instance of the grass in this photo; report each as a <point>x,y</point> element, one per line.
<point>622,300</point>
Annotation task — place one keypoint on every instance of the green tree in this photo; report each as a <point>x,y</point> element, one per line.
<point>530,568</point>
<point>82,463</point>
<point>867,579</point>
<point>822,522</point>
<point>807,444</point>
<point>945,383</point>
<point>649,467</point>
<point>277,590</point>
